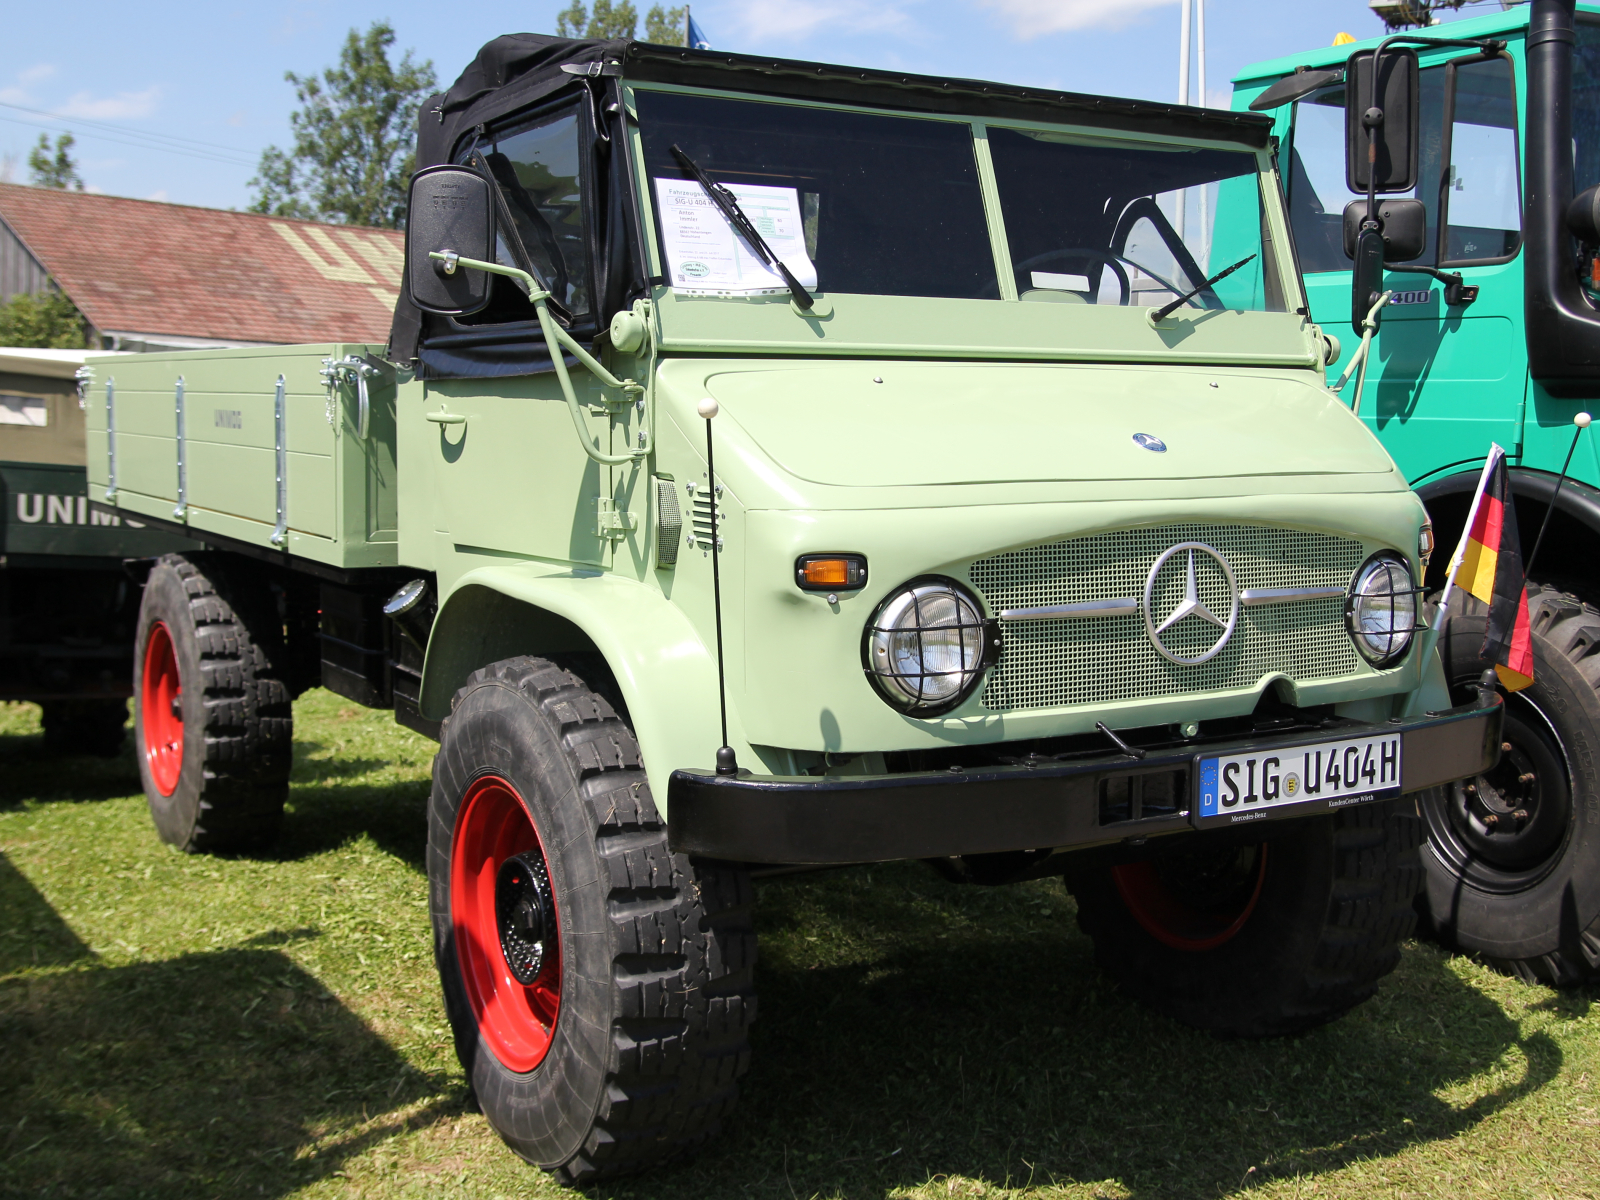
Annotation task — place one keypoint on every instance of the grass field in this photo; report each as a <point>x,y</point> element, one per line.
<point>270,1026</point>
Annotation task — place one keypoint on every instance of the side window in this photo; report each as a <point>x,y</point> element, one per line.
<point>1317,194</point>
<point>538,165</point>
<point>1483,213</point>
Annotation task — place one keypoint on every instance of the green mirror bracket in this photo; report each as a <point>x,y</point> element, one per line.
<point>555,336</point>
<point>1369,326</point>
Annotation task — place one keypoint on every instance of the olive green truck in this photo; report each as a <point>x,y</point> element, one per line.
<point>781,466</point>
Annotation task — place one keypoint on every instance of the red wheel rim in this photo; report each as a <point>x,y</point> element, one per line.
<point>516,1020</point>
<point>160,706</point>
<point>1177,922</point>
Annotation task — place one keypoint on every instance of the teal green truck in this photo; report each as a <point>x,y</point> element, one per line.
<point>67,605</point>
<point>1491,335</point>
<point>777,466</point>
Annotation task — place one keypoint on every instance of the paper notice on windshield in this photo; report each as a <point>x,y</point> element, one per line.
<point>706,258</point>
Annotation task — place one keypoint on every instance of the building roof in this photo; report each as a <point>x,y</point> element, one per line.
<point>140,267</point>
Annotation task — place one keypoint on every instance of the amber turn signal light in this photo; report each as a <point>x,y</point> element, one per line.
<point>830,572</point>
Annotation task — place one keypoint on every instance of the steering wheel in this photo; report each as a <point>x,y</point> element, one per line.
<point>1104,256</point>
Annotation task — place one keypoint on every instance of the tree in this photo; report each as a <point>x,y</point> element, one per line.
<point>664,26</point>
<point>354,138</point>
<point>667,27</point>
<point>49,321</point>
<point>55,169</point>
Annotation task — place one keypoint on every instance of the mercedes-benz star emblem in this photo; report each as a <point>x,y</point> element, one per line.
<point>1190,607</point>
<point>1150,442</point>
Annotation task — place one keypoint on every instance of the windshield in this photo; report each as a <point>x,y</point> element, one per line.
<point>1095,221</point>
<point>852,202</point>
<point>891,205</point>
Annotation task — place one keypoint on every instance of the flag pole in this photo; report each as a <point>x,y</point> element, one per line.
<point>1441,614</point>
<point>1183,98</point>
<point>1582,422</point>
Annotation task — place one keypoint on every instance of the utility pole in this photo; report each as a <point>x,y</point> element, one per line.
<point>1183,98</point>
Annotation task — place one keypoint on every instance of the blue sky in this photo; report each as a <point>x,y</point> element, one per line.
<point>213,73</point>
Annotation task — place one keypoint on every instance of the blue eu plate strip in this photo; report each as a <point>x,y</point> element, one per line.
<point>1208,787</point>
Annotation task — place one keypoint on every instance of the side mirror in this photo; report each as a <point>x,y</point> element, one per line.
<point>1583,216</point>
<point>1403,224</point>
<point>1380,134</point>
<point>1366,280</point>
<point>451,208</point>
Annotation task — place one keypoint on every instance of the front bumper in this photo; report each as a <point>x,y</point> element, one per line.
<point>1029,806</point>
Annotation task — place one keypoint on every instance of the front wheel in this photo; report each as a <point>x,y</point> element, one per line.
<point>600,987</point>
<point>1264,938</point>
<point>1513,855</point>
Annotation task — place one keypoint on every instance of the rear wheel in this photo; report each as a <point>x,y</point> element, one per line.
<point>97,727</point>
<point>212,725</point>
<point>1263,938</point>
<point>1513,855</point>
<point>600,986</point>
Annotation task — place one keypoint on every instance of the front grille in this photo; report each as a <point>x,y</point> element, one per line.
<point>1108,659</point>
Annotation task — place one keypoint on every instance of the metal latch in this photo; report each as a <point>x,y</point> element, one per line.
<point>358,370</point>
<point>612,522</point>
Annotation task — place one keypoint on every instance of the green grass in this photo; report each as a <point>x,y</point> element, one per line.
<point>270,1026</point>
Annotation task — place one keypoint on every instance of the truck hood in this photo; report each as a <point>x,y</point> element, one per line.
<point>893,424</point>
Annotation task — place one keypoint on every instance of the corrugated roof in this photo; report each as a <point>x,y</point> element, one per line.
<point>149,267</point>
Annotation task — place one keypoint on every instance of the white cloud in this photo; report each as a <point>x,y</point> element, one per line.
<point>36,73</point>
<point>13,95</point>
<point>237,119</point>
<point>123,106</point>
<point>158,194</point>
<point>1034,18</point>
<point>778,20</point>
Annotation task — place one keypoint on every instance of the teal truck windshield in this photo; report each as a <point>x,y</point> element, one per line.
<point>1467,174</point>
<point>887,205</point>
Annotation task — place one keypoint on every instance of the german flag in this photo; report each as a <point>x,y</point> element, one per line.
<point>1491,570</point>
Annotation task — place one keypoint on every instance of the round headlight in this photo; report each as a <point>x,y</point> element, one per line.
<point>928,645</point>
<point>1381,610</point>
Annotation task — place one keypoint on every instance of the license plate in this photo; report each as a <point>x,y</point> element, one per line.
<point>1326,775</point>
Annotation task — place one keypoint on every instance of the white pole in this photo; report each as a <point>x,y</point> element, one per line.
<point>1183,96</point>
<point>1203,242</point>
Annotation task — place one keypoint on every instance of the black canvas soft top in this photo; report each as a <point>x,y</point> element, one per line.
<point>521,69</point>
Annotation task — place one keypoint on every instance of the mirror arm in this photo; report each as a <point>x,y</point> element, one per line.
<point>556,339</point>
<point>1457,291</point>
<point>1359,358</point>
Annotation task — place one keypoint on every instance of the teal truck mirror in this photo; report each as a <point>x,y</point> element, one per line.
<point>451,210</point>
<point>1403,225</point>
<point>1366,280</point>
<point>1380,122</point>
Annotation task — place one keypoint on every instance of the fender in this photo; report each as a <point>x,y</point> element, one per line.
<point>666,674</point>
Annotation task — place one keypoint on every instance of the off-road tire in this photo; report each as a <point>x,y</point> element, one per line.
<point>1540,922</point>
<point>93,727</point>
<point>1333,907</point>
<point>238,727</point>
<point>657,951</point>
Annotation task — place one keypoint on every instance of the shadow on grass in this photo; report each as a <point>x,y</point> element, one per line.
<point>31,932</point>
<point>227,1073</point>
<point>324,813</point>
<point>997,1054</point>
<point>29,772</point>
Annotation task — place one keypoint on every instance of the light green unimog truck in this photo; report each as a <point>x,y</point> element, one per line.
<point>775,466</point>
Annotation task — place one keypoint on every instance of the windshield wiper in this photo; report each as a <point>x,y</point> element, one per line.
<point>724,200</point>
<point>1166,310</point>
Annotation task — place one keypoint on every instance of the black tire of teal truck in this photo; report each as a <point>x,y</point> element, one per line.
<point>93,727</point>
<point>620,1044</point>
<point>1262,939</point>
<point>213,727</point>
<point>1524,891</point>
